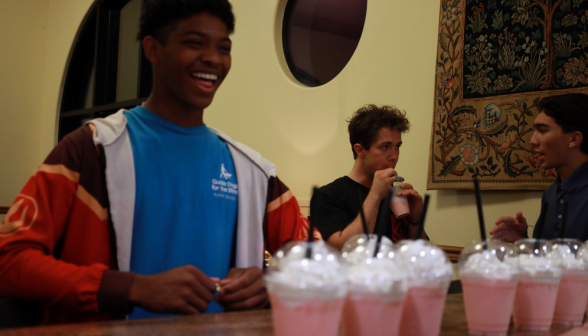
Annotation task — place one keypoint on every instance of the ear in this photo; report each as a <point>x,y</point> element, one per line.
<point>358,149</point>
<point>576,139</point>
<point>151,47</point>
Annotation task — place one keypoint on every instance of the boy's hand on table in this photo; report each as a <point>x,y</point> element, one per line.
<point>181,290</point>
<point>242,289</point>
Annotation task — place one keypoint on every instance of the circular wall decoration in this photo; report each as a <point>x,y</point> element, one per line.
<point>319,37</point>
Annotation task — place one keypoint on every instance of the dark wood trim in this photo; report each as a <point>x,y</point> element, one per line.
<point>79,67</point>
<point>452,252</point>
<point>105,108</point>
<point>3,210</point>
<point>107,33</point>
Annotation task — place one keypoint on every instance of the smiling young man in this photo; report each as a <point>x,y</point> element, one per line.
<point>375,134</point>
<point>150,208</point>
<point>559,144</point>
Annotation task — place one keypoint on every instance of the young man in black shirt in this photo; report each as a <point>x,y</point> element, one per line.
<point>375,134</point>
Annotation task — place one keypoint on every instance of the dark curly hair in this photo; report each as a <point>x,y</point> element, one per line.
<point>365,124</point>
<point>159,17</point>
<point>570,112</point>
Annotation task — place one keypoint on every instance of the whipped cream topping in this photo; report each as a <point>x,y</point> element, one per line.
<point>568,258</point>
<point>487,265</point>
<point>291,271</point>
<point>378,276</point>
<point>538,266</point>
<point>358,248</point>
<point>425,262</point>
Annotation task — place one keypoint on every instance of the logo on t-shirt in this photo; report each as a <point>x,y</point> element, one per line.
<point>224,173</point>
<point>225,189</point>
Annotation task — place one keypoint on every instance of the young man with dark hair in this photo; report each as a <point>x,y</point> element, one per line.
<point>559,144</point>
<point>150,208</point>
<point>375,134</point>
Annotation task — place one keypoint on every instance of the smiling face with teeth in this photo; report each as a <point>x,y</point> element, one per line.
<point>188,68</point>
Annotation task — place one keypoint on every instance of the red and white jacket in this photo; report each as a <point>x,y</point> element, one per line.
<point>66,240</point>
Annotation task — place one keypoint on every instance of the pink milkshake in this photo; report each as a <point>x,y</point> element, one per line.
<point>534,304</point>
<point>429,276</point>
<point>573,288</point>
<point>307,294</point>
<point>423,311</point>
<point>489,284</point>
<point>399,204</point>
<point>485,298</point>
<point>364,315</point>
<point>541,271</point>
<point>314,317</point>
<point>377,288</point>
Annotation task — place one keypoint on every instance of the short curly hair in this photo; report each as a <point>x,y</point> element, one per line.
<point>159,17</point>
<point>365,124</point>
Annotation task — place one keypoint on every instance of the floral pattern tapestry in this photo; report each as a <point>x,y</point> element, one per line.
<point>496,59</point>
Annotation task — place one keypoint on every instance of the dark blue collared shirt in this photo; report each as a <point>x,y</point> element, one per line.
<point>564,208</point>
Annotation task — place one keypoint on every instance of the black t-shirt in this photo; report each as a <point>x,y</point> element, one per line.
<point>334,206</point>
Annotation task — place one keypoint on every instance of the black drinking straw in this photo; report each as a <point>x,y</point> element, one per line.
<point>421,222</point>
<point>383,219</point>
<point>362,214</point>
<point>480,212</point>
<point>311,230</point>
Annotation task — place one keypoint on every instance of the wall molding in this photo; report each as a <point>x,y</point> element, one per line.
<point>452,252</point>
<point>3,210</point>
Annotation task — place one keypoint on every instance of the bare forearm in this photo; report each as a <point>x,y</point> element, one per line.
<point>370,208</point>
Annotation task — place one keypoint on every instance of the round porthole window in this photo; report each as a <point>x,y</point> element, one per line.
<point>320,36</point>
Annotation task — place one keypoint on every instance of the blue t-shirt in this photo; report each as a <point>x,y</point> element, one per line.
<point>186,199</point>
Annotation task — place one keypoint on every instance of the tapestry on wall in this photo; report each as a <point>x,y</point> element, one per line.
<point>496,59</point>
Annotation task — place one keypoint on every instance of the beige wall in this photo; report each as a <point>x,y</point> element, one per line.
<point>303,130</point>
<point>23,37</point>
<point>300,129</point>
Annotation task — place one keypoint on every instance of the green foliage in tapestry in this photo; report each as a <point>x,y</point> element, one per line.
<point>516,46</point>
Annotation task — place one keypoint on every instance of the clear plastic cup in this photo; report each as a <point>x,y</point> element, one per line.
<point>430,273</point>
<point>540,275</point>
<point>399,204</point>
<point>361,247</point>
<point>489,284</point>
<point>377,287</point>
<point>307,295</point>
<point>573,288</point>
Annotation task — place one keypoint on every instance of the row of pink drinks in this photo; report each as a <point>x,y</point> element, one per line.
<point>538,282</point>
<point>402,290</point>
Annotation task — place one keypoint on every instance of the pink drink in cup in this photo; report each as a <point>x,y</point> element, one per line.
<point>429,276</point>
<point>540,274</point>
<point>377,288</point>
<point>489,284</point>
<point>399,204</point>
<point>307,295</point>
<point>488,304</point>
<point>573,288</point>
<point>311,317</point>
<point>370,315</point>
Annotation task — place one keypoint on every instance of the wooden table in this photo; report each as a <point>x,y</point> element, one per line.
<point>251,323</point>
